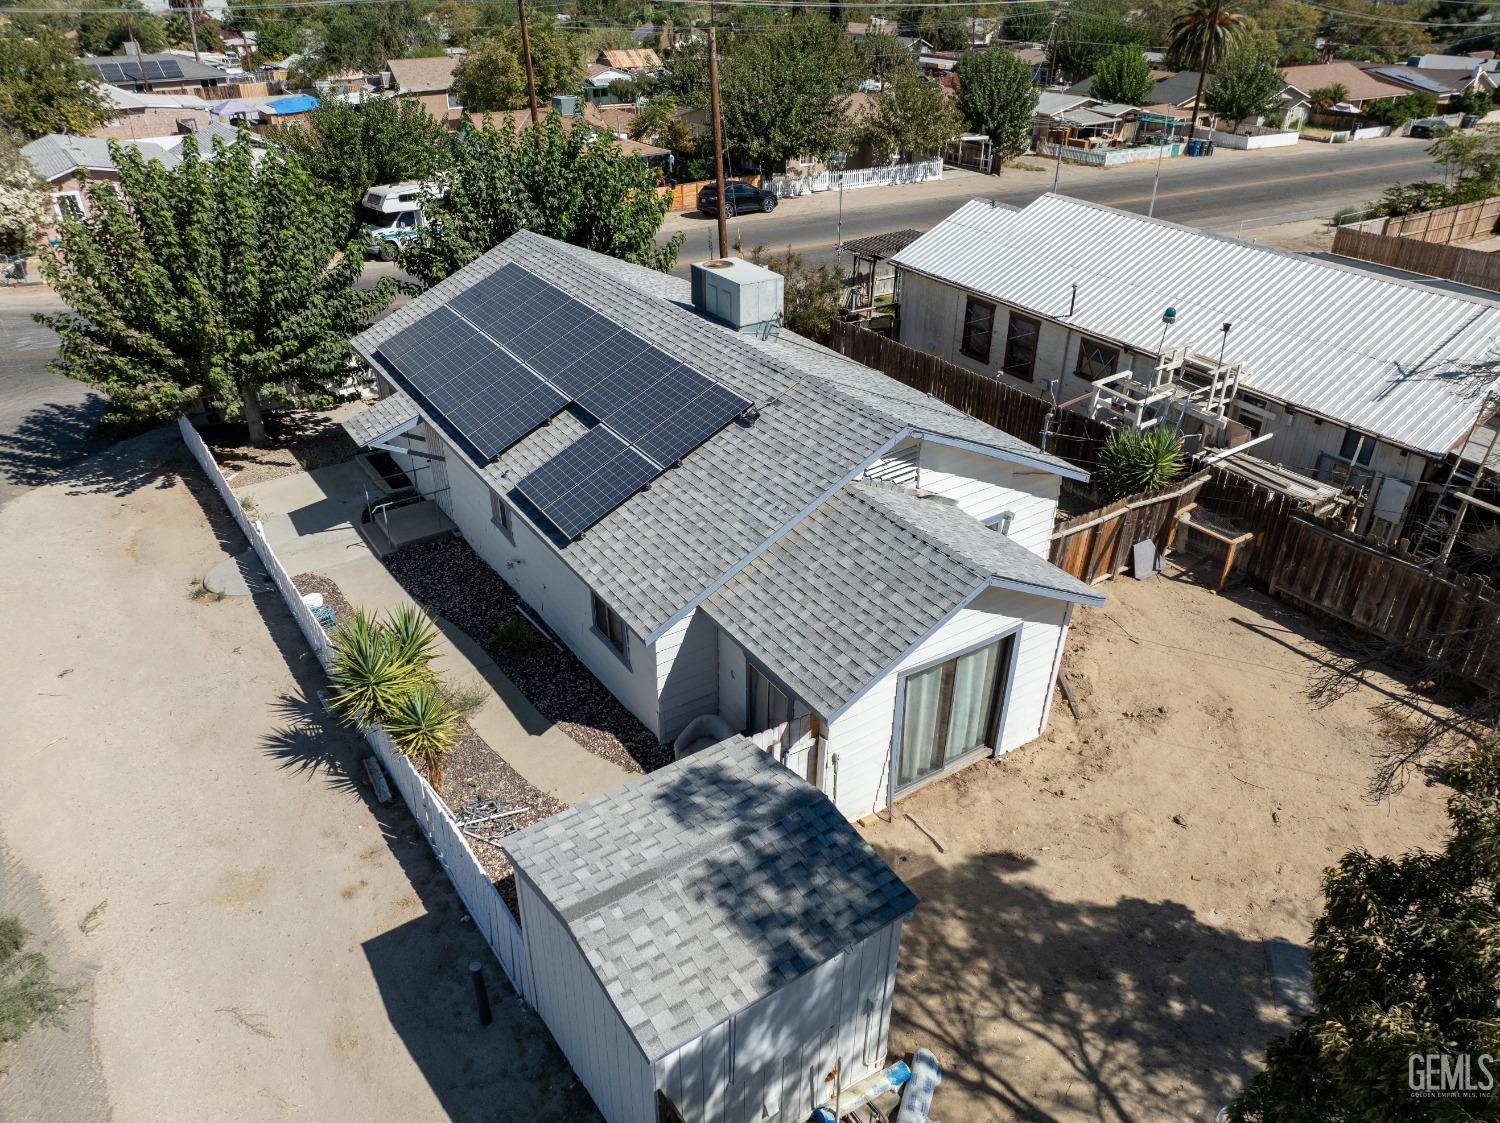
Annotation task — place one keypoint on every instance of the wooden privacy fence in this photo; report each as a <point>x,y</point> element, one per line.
<point>1074,437</point>
<point>1455,263</point>
<point>1446,224</point>
<point>488,909</point>
<point>1096,546</point>
<point>684,196</point>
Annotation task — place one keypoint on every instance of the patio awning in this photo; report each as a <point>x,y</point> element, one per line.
<point>381,420</point>
<point>882,246</point>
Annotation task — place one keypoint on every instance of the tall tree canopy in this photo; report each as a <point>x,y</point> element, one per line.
<point>997,98</point>
<point>354,147</point>
<point>1123,76</point>
<point>1248,85</point>
<point>573,184</point>
<point>1091,29</point>
<point>555,57</point>
<point>362,36</point>
<point>1203,31</point>
<point>23,197</point>
<point>783,91</point>
<point>1406,961</point>
<point>1028,22</point>
<point>490,77</point>
<point>219,279</point>
<point>43,89</point>
<point>912,116</point>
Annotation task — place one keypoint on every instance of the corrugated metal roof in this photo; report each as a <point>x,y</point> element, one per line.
<point>1371,352</point>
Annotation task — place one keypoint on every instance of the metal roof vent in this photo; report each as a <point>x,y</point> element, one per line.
<point>739,294</point>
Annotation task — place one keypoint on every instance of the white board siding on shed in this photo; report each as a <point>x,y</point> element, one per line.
<point>862,736</point>
<point>687,672</point>
<point>732,690</point>
<point>771,1059</point>
<point>985,488</point>
<point>551,589</point>
<point>583,1020</point>
<point>899,466</point>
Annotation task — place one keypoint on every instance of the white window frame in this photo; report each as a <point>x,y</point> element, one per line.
<point>58,196</point>
<point>500,515</point>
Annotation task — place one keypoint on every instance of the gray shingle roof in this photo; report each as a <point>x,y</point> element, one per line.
<point>379,418</point>
<point>821,418</point>
<point>192,71</point>
<point>706,886</point>
<point>876,568</point>
<point>58,155</point>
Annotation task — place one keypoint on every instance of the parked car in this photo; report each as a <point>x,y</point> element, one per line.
<point>1428,128</point>
<point>742,197</point>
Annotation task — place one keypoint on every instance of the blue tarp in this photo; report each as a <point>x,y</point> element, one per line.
<point>293,103</point>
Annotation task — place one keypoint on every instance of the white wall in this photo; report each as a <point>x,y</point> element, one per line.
<point>768,1061</point>
<point>687,671</point>
<point>732,679</point>
<point>582,1017</point>
<point>862,737</point>
<point>550,588</point>
<point>985,488</point>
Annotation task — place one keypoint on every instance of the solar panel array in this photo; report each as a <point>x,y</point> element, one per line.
<point>149,70</point>
<point>653,409</point>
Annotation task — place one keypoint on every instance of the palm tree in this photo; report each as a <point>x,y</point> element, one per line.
<point>1205,31</point>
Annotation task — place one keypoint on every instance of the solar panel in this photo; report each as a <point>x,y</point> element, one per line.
<point>586,481</point>
<point>485,394</point>
<point>170,68</point>
<point>673,414</point>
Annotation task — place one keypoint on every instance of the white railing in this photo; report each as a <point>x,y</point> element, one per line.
<point>1107,157</point>
<point>888,176</point>
<point>474,886</point>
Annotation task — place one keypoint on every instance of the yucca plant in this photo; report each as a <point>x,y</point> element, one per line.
<point>369,674</point>
<point>412,636</point>
<point>423,727</point>
<point>1136,460</point>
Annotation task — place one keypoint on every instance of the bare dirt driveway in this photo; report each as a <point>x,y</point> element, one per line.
<point>1093,945</point>
<point>250,936</point>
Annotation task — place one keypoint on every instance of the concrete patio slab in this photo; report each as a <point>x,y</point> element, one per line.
<point>239,576</point>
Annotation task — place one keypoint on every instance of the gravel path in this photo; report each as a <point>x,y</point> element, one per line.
<point>449,578</point>
<point>300,442</point>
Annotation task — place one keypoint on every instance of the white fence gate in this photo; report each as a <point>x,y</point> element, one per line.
<point>475,889</point>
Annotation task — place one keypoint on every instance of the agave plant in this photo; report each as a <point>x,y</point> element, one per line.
<point>412,636</point>
<point>369,674</point>
<point>1136,460</point>
<point>424,727</point>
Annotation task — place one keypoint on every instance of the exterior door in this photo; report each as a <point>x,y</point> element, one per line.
<point>951,710</point>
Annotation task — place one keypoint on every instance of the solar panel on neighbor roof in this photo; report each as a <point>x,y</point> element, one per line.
<point>586,481</point>
<point>484,393</point>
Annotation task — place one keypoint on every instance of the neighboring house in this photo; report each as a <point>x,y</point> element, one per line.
<point>259,112</point>
<point>1350,375</point>
<point>1443,84</point>
<point>147,116</point>
<point>727,522</point>
<point>1483,59</point>
<point>1036,58</point>
<point>598,80</point>
<point>160,73</point>
<point>714,933</point>
<point>65,161</point>
<point>427,81</point>
<point>1361,87</point>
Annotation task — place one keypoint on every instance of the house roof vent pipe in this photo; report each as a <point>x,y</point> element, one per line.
<point>739,294</point>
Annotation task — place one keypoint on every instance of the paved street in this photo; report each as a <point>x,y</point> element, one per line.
<point>1231,192</point>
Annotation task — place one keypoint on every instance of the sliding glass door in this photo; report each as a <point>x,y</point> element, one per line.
<point>951,710</point>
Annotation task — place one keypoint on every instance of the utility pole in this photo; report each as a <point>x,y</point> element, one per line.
<point>1057,23</point>
<point>718,127</point>
<point>192,11</point>
<point>526,54</point>
<point>1208,46</point>
<point>1160,152</point>
<point>135,49</point>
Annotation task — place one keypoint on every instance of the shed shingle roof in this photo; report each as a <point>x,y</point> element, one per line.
<point>59,155</point>
<point>821,419</point>
<point>706,886</point>
<point>871,572</point>
<point>422,75</point>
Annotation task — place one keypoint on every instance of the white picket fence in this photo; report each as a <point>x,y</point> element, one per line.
<point>478,893</point>
<point>890,175</point>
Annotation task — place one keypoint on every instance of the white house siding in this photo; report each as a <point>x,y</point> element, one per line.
<point>732,679</point>
<point>862,737</point>
<point>769,1061</point>
<point>687,673</point>
<point>583,1020</point>
<point>551,590</point>
<point>986,488</point>
<point>899,466</point>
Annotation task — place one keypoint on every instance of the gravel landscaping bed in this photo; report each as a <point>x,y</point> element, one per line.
<point>300,442</point>
<point>306,583</point>
<point>448,578</point>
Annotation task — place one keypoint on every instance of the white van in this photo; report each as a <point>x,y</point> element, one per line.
<point>393,212</point>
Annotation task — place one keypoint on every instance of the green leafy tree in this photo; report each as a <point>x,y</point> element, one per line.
<point>555,58</point>
<point>996,97</point>
<point>1248,85</point>
<point>946,27</point>
<point>571,184</point>
<point>658,123</point>
<point>1203,32</point>
<point>1398,111</point>
<point>1030,23</point>
<point>912,116</point>
<point>1406,962</point>
<point>43,89</point>
<point>354,147</point>
<point>1324,98</point>
<point>1123,76</point>
<point>459,22</point>
<point>1092,29</point>
<point>217,280</point>
<point>883,56</point>
<point>1477,101</point>
<point>24,205</point>
<point>107,34</point>
<point>490,77</point>
<point>783,91</point>
<point>364,36</point>
<point>811,293</point>
<point>275,41</point>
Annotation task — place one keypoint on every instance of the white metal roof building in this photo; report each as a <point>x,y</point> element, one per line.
<point>1371,352</point>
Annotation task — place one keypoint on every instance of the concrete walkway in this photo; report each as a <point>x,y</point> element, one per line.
<point>309,521</point>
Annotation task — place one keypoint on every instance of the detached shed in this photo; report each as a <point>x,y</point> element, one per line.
<point>715,932</point>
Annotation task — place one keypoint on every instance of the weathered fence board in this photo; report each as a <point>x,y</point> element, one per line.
<point>1432,258</point>
<point>1097,546</point>
<point>1447,224</point>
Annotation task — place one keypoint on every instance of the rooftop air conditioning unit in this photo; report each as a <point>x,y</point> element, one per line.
<point>739,294</point>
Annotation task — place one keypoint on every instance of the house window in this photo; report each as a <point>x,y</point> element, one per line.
<point>453,102</point>
<point>1002,522</point>
<point>68,204</point>
<point>979,325</point>
<point>1020,346</point>
<point>500,513</point>
<point>1096,360</point>
<point>1358,448</point>
<point>610,627</point>
<point>951,710</point>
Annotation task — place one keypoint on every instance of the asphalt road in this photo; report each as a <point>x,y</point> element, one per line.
<point>1231,192</point>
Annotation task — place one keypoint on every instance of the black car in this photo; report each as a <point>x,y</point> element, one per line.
<point>742,197</point>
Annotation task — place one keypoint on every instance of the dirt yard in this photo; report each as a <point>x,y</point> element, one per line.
<point>1092,946</point>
